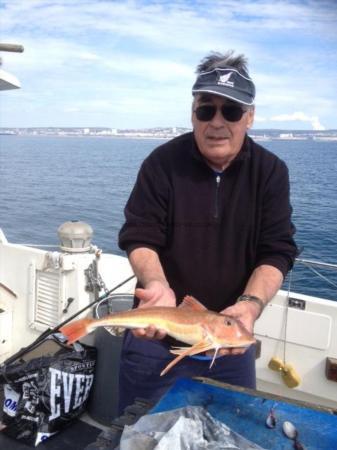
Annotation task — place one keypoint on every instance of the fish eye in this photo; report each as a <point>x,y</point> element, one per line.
<point>228,322</point>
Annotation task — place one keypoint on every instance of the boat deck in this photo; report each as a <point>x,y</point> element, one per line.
<point>242,410</point>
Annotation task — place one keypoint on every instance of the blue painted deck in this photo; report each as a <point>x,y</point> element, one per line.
<point>246,414</point>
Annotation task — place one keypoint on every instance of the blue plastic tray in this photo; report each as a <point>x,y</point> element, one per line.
<point>246,414</point>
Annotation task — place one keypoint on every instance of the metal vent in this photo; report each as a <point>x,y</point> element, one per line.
<point>47,298</point>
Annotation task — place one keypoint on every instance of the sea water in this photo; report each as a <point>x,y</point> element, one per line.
<point>47,180</point>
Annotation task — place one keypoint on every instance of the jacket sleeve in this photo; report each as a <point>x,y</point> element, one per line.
<point>276,246</point>
<point>146,210</point>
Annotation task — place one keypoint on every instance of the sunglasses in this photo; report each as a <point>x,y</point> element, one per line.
<point>232,113</point>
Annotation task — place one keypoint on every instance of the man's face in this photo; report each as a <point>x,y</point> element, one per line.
<point>220,140</point>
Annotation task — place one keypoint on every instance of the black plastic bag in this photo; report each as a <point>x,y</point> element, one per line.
<point>46,390</point>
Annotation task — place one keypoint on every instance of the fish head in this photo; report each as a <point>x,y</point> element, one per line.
<point>229,332</point>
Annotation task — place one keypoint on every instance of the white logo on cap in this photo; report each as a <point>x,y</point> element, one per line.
<point>224,79</point>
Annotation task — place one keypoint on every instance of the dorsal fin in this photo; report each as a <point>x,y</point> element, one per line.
<point>192,303</point>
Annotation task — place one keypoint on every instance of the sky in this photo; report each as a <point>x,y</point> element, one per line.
<point>131,64</point>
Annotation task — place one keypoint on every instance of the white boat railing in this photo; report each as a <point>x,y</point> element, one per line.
<point>310,262</point>
<point>17,48</point>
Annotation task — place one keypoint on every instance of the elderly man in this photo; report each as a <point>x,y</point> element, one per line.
<point>209,216</point>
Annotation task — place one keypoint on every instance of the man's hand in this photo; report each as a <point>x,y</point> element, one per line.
<point>155,294</point>
<point>246,313</point>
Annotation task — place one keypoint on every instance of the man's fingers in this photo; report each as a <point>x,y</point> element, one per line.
<point>151,332</point>
<point>143,294</point>
<point>228,351</point>
<point>160,334</point>
<point>237,351</point>
<point>139,333</point>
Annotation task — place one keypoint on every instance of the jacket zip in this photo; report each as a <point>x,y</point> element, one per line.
<point>216,205</point>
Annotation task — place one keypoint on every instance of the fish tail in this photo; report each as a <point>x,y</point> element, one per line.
<point>76,330</point>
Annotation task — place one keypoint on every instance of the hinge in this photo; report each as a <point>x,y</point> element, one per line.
<point>296,303</point>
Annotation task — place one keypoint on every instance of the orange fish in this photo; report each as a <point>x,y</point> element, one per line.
<point>190,323</point>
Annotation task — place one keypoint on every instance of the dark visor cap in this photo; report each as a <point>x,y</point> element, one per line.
<point>226,82</point>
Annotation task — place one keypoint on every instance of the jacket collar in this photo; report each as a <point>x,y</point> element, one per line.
<point>243,155</point>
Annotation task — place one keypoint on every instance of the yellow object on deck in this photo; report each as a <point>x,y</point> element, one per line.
<point>289,375</point>
<point>276,364</point>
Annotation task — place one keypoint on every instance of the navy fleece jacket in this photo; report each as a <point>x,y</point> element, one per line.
<point>211,231</point>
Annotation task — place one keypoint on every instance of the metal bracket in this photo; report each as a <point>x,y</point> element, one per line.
<point>331,369</point>
<point>94,281</point>
<point>296,303</point>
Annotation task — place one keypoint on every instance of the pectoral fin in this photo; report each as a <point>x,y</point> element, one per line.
<point>181,350</point>
<point>178,350</point>
<point>199,347</point>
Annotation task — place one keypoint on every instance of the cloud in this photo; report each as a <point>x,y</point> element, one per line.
<point>299,117</point>
<point>157,69</point>
<point>137,52</point>
<point>258,118</point>
<point>176,24</point>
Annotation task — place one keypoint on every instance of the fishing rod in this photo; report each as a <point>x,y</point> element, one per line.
<point>49,331</point>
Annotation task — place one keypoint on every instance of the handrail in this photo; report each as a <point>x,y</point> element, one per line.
<point>11,48</point>
<point>316,263</point>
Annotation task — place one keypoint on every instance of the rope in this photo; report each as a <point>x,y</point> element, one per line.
<point>286,317</point>
<point>319,274</point>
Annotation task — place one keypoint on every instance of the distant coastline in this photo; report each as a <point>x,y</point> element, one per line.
<point>164,133</point>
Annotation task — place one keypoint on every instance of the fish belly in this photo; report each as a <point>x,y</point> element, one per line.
<point>190,334</point>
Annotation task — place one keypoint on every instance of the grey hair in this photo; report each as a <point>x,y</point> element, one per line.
<point>216,59</point>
